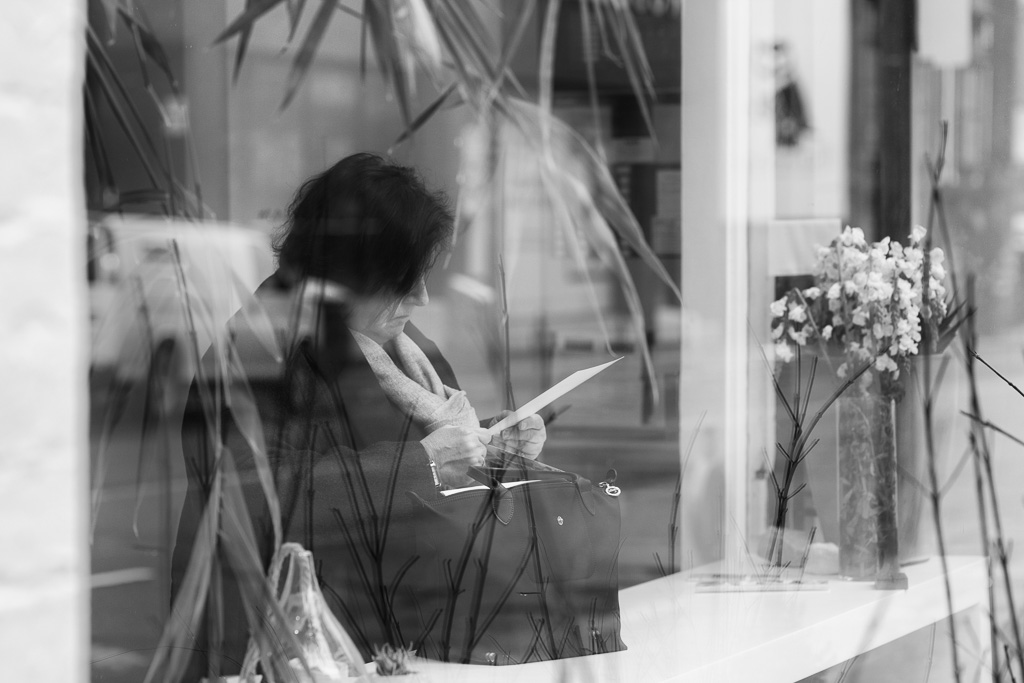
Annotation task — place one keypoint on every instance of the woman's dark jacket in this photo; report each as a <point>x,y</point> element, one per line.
<point>343,458</point>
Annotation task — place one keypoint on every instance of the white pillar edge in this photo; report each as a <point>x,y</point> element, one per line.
<point>737,217</point>
<point>44,459</point>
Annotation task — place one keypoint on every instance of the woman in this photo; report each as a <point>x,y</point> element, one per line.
<point>362,410</point>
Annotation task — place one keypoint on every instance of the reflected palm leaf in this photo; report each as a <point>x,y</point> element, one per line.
<point>133,361</point>
<point>111,9</point>
<point>244,22</point>
<point>256,318</point>
<point>304,58</point>
<point>242,404</point>
<point>581,192</point>
<point>148,49</point>
<point>96,151</point>
<point>226,368</point>
<point>428,112</point>
<point>378,22</point>
<point>295,8</point>
<point>416,39</point>
<point>104,85</point>
<point>173,651</point>
<point>268,625</point>
<point>127,115</point>
<point>243,43</point>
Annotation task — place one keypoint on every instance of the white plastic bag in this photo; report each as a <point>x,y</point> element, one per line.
<point>328,650</point>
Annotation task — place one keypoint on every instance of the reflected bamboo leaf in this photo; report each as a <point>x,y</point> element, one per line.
<point>304,58</point>
<point>509,49</point>
<point>467,35</point>
<point>124,109</point>
<point>547,63</point>
<point>417,39</point>
<point>588,205</point>
<point>96,145</point>
<point>111,9</point>
<point>172,654</point>
<point>256,318</point>
<point>156,423</point>
<point>427,113</point>
<point>242,404</point>
<point>210,402</point>
<point>148,49</point>
<point>379,22</point>
<point>243,42</point>
<point>634,59</point>
<point>133,359</point>
<point>247,18</point>
<point>268,625</point>
<point>295,8</point>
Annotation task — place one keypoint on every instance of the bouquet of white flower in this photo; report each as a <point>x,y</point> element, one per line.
<point>871,299</point>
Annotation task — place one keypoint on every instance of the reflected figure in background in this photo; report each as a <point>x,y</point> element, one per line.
<point>791,117</point>
<point>358,409</point>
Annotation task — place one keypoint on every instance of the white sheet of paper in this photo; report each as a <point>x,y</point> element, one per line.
<point>565,386</point>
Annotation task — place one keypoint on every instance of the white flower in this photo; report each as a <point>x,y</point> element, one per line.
<point>778,307</point>
<point>799,337</point>
<point>908,345</point>
<point>783,352</point>
<point>884,363</point>
<point>877,294</point>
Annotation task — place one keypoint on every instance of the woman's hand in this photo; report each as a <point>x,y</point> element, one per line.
<point>454,450</point>
<point>525,438</point>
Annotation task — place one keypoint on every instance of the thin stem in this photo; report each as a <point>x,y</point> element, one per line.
<point>998,374</point>
<point>985,423</point>
<point>936,500</point>
<point>985,463</point>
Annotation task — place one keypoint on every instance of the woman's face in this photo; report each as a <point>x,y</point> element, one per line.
<point>381,318</point>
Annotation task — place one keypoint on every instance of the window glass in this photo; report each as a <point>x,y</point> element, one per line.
<point>280,361</point>
<point>247,375</point>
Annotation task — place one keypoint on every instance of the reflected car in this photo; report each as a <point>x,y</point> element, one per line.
<point>160,289</point>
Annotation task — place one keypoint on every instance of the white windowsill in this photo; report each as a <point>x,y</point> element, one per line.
<point>675,634</point>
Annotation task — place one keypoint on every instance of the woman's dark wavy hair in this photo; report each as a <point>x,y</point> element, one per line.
<point>369,224</point>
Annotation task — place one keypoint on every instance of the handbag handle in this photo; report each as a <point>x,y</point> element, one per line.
<point>502,501</point>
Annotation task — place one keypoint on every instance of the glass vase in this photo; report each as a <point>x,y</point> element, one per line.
<point>866,444</point>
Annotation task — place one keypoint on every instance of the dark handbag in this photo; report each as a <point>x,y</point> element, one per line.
<point>520,571</point>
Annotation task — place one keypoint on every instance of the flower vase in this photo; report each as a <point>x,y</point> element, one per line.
<point>868,528</point>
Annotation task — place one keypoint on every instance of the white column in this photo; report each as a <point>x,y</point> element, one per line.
<point>715,120</point>
<point>44,615</point>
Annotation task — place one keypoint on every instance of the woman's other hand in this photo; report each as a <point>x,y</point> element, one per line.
<point>525,438</point>
<point>454,450</point>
